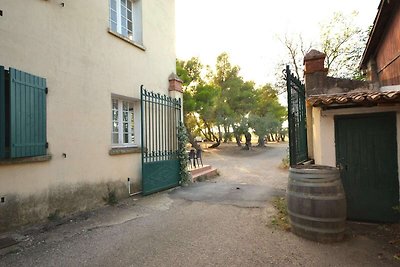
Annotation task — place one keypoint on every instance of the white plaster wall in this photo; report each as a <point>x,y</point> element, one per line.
<point>323,138</point>
<point>84,64</point>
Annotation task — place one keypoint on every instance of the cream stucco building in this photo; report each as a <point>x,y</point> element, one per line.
<point>94,55</point>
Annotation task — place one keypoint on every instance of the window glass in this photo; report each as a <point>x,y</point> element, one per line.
<point>113,4</point>
<point>123,122</point>
<point>121,17</point>
<point>115,127</point>
<point>115,138</point>
<point>115,104</point>
<point>125,105</point>
<point>132,118</point>
<point>114,26</point>
<point>115,115</point>
<point>114,17</point>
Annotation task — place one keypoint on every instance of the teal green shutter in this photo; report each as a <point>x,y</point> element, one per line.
<point>28,114</point>
<point>2,113</point>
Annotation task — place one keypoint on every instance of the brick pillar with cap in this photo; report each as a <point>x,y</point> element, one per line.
<point>315,76</point>
<point>315,73</point>
<point>175,89</point>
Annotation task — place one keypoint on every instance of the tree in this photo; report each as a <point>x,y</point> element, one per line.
<point>218,105</point>
<point>189,72</point>
<point>235,100</point>
<point>259,125</point>
<point>296,49</point>
<point>267,115</point>
<point>341,41</point>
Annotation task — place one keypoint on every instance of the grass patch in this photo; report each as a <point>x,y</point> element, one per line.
<point>54,216</point>
<point>280,219</point>
<point>111,197</point>
<point>284,164</point>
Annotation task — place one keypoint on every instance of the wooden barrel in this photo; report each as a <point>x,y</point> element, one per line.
<point>316,203</point>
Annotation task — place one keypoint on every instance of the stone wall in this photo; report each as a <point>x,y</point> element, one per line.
<point>318,82</point>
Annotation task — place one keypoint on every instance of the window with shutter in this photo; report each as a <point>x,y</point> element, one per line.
<point>24,116</point>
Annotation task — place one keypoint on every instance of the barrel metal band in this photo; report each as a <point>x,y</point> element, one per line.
<point>311,179</point>
<point>305,217</point>
<point>311,229</point>
<point>309,196</point>
<point>314,184</point>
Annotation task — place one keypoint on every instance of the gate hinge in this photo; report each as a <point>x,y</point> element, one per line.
<point>47,145</point>
<point>46,90</point>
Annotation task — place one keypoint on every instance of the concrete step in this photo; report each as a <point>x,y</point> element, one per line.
<point>204,172</point>
<point>194,171</point>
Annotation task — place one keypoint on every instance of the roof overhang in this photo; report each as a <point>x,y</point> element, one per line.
<point>370,98</point>
<point>385,11</point>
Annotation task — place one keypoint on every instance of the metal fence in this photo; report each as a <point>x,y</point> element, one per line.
<point>297,119</point>
<point>161,116</point>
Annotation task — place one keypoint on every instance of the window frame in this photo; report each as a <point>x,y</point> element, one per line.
<point>119,24</point>
<point>135,130</point>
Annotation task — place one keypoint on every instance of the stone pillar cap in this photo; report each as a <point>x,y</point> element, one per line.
<point>313,54</point>
<point>175,84</point>
<point>174,77</point>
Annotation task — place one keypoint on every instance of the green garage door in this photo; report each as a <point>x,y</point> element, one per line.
<point>366,152</point>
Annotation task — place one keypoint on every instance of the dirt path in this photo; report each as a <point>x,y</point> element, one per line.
<point>212,223</point>
<point>258,166</point>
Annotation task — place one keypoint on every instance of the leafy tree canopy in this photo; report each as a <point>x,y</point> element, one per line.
<point>340,39</point>
<point>219,105</point>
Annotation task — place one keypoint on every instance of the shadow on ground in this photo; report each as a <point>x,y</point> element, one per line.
<point>240,195</point>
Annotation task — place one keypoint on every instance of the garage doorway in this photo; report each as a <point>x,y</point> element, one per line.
<point>366,153</point>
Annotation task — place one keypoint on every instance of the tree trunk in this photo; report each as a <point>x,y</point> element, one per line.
<point>226,134</point>
<point>261,141</point>
<point>272,137</point>
<point>191,139</point>
<point>218,140</point>
<point>238,138</point>
<point>220,132</point>
<point>215,145</point>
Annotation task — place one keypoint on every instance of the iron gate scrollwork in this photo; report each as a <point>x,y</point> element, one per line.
<point>161,116</point>
<point>298,152</point>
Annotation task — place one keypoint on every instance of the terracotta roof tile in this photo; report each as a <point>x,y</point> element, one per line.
<point>354,98</point>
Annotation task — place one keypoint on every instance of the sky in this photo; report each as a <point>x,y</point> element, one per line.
<point>248,30</point>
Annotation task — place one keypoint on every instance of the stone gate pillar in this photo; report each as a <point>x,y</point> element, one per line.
<point>315,73</point>
<point>315,76</point>
<point>175,89</point>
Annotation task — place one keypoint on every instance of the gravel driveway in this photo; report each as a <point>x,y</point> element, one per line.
<point>221,222</point>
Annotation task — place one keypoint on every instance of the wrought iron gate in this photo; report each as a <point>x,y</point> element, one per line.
<point>297,119</point>
<point>161,116</point>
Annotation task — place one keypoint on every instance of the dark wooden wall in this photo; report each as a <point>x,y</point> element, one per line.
<point>388,52</point>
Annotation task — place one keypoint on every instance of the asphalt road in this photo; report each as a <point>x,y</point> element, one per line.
<point>221,222</point>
